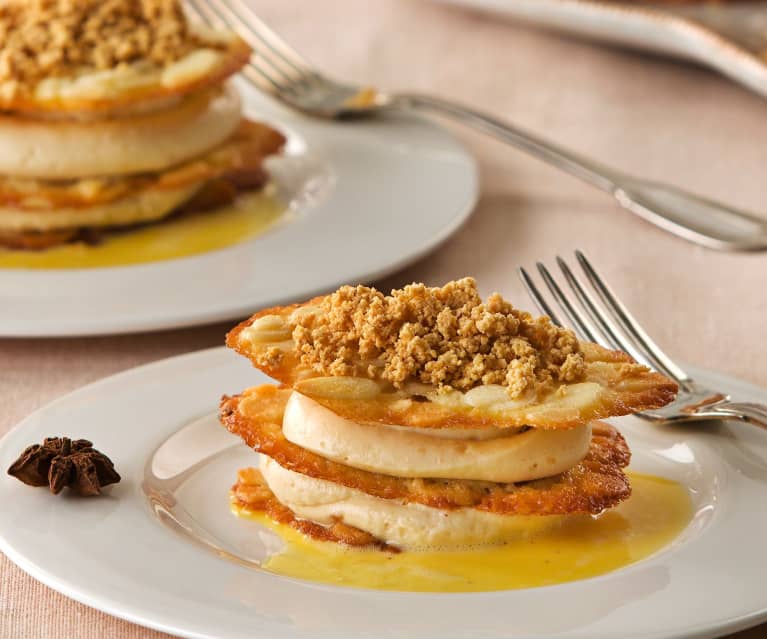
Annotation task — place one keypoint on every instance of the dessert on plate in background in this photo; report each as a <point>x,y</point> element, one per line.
<point>115,114</point>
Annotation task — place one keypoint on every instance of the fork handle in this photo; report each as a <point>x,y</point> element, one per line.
<point>687,215</point>
<point>744,411</point>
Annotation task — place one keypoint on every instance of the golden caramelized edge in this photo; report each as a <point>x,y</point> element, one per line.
<point>233,336</point>
<point>596,483</point>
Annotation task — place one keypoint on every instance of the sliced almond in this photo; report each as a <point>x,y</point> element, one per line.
<point>267,329</point>
<point>568,400</point>
<point>483,396</point>
<point>196,64</point>
<point>339,387</point>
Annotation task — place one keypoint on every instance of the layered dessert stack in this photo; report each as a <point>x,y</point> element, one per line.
<point>116,113</point>
<point>429,418</point>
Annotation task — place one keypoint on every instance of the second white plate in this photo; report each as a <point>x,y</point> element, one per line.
<point>113,553</point>
<point>374,196</point>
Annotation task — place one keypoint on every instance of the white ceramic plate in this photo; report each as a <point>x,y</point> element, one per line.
<point>730,37</point>
<point>366,199</point>
<point>114,553</point>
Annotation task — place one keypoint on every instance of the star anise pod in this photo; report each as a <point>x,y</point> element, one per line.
<point>60,462</point>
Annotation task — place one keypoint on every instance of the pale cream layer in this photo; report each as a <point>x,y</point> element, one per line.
<point>396,523</point>
<point>56,150</point>
<point>491,454</point>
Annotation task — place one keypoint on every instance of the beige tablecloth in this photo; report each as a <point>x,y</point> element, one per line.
<point>654,117</point>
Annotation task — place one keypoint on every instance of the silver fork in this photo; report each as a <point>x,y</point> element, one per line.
<point>608,323</point>
<point>282,73</point>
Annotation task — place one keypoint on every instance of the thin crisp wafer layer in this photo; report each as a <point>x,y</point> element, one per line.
<point>114,93</point>
<point>613,385</point>
<point>596,483</point>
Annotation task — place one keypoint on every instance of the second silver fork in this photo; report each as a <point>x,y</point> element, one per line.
<point>280,71</point>
<point>596,314</point>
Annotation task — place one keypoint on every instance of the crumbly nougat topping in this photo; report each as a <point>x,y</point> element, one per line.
<point>445,336</point>
<point>53,38</point>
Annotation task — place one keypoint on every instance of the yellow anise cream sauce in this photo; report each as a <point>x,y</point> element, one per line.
<point>582,546</point>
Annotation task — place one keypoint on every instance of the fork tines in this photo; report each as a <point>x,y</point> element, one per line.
<point>277,67</point>
<point>606,322</point>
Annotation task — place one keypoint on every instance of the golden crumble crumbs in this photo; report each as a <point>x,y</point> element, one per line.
<point>445,336</point>
<point>49,38</point>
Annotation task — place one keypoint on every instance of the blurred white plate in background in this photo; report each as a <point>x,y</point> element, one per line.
<point>366,198</point>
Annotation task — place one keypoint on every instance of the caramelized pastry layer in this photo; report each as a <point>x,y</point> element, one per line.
<point>612,384</point>
<point>596,483</point>
<point>70,58</point>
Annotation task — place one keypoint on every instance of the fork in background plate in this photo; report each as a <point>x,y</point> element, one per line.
<point>611,325</point>
<point>280,71</point>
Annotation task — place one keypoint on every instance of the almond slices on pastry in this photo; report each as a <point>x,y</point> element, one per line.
<point>359,374</point>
